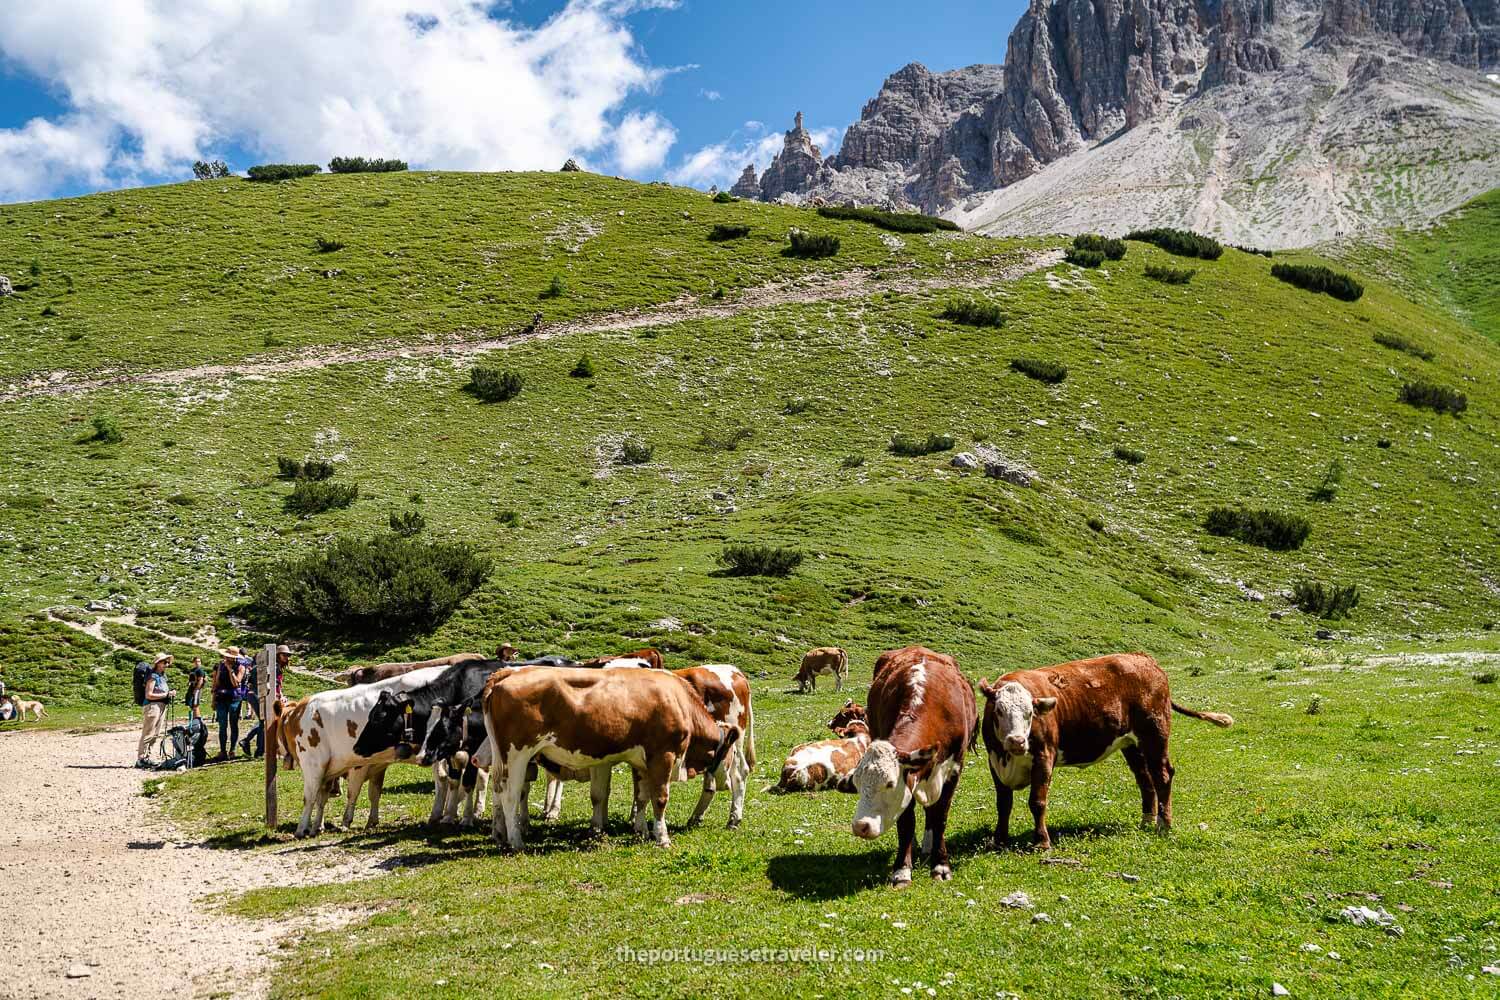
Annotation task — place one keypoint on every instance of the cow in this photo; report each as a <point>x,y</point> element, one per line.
<point>458,748</point>
<point>579,718</point>
<point>823,660</point>
<point>384,671</point>
<point>651,658</point>
<point>825,764</point>
<point>922,717</point>
<point>319,734</point>
<point>852,711</point>
<point>1076,714</point>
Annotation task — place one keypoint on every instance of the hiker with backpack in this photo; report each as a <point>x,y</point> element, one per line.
<point>229,693</point>
<point>152,692</point>
<point>197,678</point>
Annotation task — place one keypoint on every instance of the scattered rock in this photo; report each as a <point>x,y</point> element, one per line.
<point>1040,918</point>
<point>964,460</point>
<point>1249,593</point>
<point>333,272</point>
<point>571,167</point>
<point>1129,878</point>
<point>6,288</point>
<point>1490,970</point>
<point>1324,634</point>
<point>1311,948</point>
<point>1017,900</point>
<point>1363,916</point>
<point>1276,616</point>
<point>1013,474</point>
<point>1277,990</point>
<point>101,606</point>
<point>78,971</point>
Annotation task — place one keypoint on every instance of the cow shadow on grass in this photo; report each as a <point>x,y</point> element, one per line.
<point>823,876</point>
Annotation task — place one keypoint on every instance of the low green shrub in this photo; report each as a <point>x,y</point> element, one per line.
<point>812,244</point>
<point>1111,248</point>
<point>407,524</point>
<point>792,407</point>
<point>315,496</point>
<point>898,222</point>
<point>1396,342</point>
<point>1328,488</point>
<point>1084,258</point>
<point>493,385</point>
<point>909,446</point>
<point>759,560</point>
<point>1430,396</point>
<point>314,469</point>
<point>584,368</point>
<point>634,451</point>
<point>556,288</point>
<point>1129,456</point>
<point>724,198</point>
<point>1250,250</point>
<point>328,246</point>
<point>724,438</point>
<point>972,312</point>
<point>368,587</point>
<point>722,233</point>
<point>1328,601</point>
<point>1096,524</point>
<point>1180,242</point>
<point>360,165</point>
<point>1316,278</point>
<point>1268,529</point>
<point>852,461</point>
<point>282,171</point>
<point>1170,275</point>
<point>1043,371</point>
<point>106,431</point>
<point>208,170</point>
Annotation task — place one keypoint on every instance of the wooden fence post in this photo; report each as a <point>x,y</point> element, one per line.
<point>268,695</point>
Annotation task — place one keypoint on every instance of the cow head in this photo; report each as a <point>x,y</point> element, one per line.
<point>855,728</point>
<point>389,725</point>
<point>884,778</point>
<point>1013,708</point>
<point>448,735</point>
<point>852,711</point>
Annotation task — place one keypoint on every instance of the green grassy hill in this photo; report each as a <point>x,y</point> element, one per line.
<point>1239,389</point>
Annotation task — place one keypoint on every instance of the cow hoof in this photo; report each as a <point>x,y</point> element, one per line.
<point>1000,845</point>
<point>942,873</point>
<point>901,878</point>
<point>733,824</point>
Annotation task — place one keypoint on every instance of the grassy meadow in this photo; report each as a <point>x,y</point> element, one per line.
<point>773,425</point>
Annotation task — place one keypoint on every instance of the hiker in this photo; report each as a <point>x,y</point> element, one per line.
<point>154,709</point>
<point>197,677</point>
<point>229,692</point>
<point>283,657</point>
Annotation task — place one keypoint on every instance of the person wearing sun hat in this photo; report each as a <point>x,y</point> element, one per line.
<point>154,710</point>
<point>229,691</point>
<point>283,657</point>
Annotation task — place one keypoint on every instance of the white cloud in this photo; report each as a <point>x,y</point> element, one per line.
<point>642,141</point>
<point>150,85</point>
<point>710,95</point>
<point>722,163</point>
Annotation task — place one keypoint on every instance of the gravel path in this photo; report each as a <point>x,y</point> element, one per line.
<point>100,898</point>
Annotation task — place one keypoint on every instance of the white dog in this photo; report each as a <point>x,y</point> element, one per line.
<point>34,707</point>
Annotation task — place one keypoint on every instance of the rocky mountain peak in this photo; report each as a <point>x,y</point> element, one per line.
<point>794,168</point>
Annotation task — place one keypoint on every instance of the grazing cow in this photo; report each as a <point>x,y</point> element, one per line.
<point>922,716</point>
<point>852,711</point>
<point>458,748</point>
<point>1076,714</point>
<point>385,671</point>
<point>651,657</point>
<point>581,719</point>
<point>825,764</point>
<point>823,660</point>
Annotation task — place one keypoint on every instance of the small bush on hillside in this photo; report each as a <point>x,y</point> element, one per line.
<point>812,244</point>
<point>722,233</point>
<point>584,368</point>
<point>792,407</point>
<point>724,198</point>
<point>328,246</point>
<point>314,496</point>
<point>34,268</point>
<point>898,222</point>
<point>1180,242</point>
<point>314,469</point>
<point>1396,342</point>
<point>360,165</point>
<point>1252,250</point>
<point>1129,455</point>
<point>1430,396</point>
<point>909,446</point>
<point>368,586</point>
<point>1111,248</point>
<point>1096,525</point>
<point>1170,275</point>
<point>724,438</point>
<point>510,518</point>
<point>494,385</point>
<point>1316,278</point>
<point>1328,601</point>
<point>1043,371</point>
<point>556,288</point>
<point>48,311</point>
<point>106,431</point>
<point>1084,258</point>
<point>634,451</point>
<point>1487,677</point>
<point>282,171</point>
<point>759,560</point>
<point>407,524</point>
<point>1328,488</point>
<point>971,312</point>
<point>1268,529</point>
<point>852,461</point>
<point>209,170</point>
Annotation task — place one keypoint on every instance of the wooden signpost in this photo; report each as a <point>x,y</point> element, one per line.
<point>268,694</point>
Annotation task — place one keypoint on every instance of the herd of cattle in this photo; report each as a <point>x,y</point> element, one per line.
<point>493,726</point>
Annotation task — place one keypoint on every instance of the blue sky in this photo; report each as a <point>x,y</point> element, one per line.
<point>133,91</point>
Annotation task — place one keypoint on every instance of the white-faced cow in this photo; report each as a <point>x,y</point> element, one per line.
<point>1076,714</point>
<point>578,718</point>
<point>922,717</point>
<point>823,660</point>
<point>825,764</point>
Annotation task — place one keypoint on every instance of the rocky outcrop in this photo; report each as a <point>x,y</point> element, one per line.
<point>795,168</point>
<point>571,166</point>
<point>748,186</point>
<point>1466,32</point>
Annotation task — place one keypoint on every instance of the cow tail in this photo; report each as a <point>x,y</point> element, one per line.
<point>843,663</point>
<point>275,737</point>
<point>749,748</point>
<point>1217,718</point>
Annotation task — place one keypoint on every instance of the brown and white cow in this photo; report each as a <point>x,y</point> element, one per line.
<point>921,717</point>
<point>578,718</point>
<point>825,764</point>
<point>651,658</point>
<point>852,712</point>
<point>385,671</point>
<point>1074,715</point>
<point>823,660</point>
